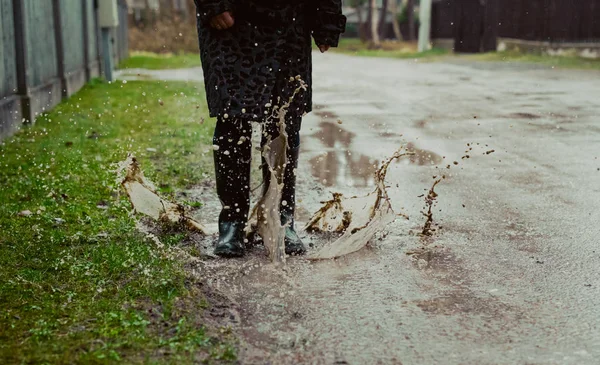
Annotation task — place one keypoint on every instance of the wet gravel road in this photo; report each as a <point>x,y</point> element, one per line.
<point>513,274</point>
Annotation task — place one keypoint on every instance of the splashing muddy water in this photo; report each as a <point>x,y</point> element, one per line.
<point>145,199</point>
<point>358,218</point>
<point>267,215</point>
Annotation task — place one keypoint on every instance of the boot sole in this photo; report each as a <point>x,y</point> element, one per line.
<point>295,251</point>
<point>229,253</point>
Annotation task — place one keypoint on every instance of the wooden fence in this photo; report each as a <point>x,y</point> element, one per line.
<point>50,49</point>
<point>469,22</point>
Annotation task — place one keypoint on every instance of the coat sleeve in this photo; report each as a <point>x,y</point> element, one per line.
<point>207,9</point>
<point>328,22</point>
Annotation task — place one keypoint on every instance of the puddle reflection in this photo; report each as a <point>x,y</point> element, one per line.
<point>339,165</point>
<point>421,157</point>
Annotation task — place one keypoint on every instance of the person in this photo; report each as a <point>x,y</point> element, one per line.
<point>249,50</point>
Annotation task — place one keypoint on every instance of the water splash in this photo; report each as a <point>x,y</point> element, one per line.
<point>266,214</point>
<point>358,218</point>
<point>144,198</point>
<point>430,200</point>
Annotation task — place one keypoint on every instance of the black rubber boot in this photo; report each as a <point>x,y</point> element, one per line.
<point>231,240</point>
<point>232,173</point>
<point>293,244</point>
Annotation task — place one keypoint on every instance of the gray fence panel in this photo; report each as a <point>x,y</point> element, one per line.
<point>92,38</point>
<point>72,33</point>
<point>10,104</point>
<point>42,64</point>
<point>72,23</point>
<point>53,56</point>
<point>8,69</point>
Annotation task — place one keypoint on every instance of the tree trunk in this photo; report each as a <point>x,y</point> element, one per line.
<point>361,23</point>
<point>381,29</point>
<point>166,9</point>
<point>373,21</point>
<point>425,25</point>
<point>146,16</point>
<point>410,10</point>
<point>368,20</point>
<point>395,24</point>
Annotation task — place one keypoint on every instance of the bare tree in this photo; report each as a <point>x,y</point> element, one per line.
<point>373,23</point>
<point>381,28</point>
<point>395,24</point>
<point>357,4</point>
<point>410,11</point>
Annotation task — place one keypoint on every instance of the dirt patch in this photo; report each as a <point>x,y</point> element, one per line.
<point>201,308</point>
<point>523,115</point>
<point>553,128</point>
<point>421,123</point>
<point>325,114</point>
<point>459,302</point>
<point>440,264</point>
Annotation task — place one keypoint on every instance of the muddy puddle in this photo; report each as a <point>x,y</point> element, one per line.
<point>297,312</point>
<point>421,157</point>
<point>340,162</point>
<point>338,165</point>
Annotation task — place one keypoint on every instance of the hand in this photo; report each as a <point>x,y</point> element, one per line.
<point>222,21</point>
<point>323,48</point>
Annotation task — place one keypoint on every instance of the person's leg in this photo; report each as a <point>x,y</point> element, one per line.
<point>288,196</point>
<point>232,156</point>
<point>293,244</point>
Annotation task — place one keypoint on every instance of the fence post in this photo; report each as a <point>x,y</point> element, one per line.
<point>21,58</point>
<point>108,19</point>
<point>108,62</point>
<point>60,50</point>
<point>490,26</point>
<point>98,36</point>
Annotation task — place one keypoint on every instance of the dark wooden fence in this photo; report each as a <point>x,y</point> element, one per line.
<point>550,20</point>
<point>50,49</point>
<point>473,23</point>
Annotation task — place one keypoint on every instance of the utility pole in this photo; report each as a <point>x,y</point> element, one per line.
<point>108,19</point>
<point>425,27</point>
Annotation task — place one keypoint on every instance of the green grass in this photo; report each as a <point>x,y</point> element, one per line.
<point>155,61</point>
<point>401,50</point>
<point>405,50</point>
<point>78,282</point>
<point>568,62</point>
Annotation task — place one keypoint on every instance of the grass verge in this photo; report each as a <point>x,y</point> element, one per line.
<point>78,282</point>
<point>389,49</point>
<point>568,62</point>
<point>160,61</point>
<point>408,50</point>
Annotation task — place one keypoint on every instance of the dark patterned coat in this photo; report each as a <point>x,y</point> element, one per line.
<point>248,66</point>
